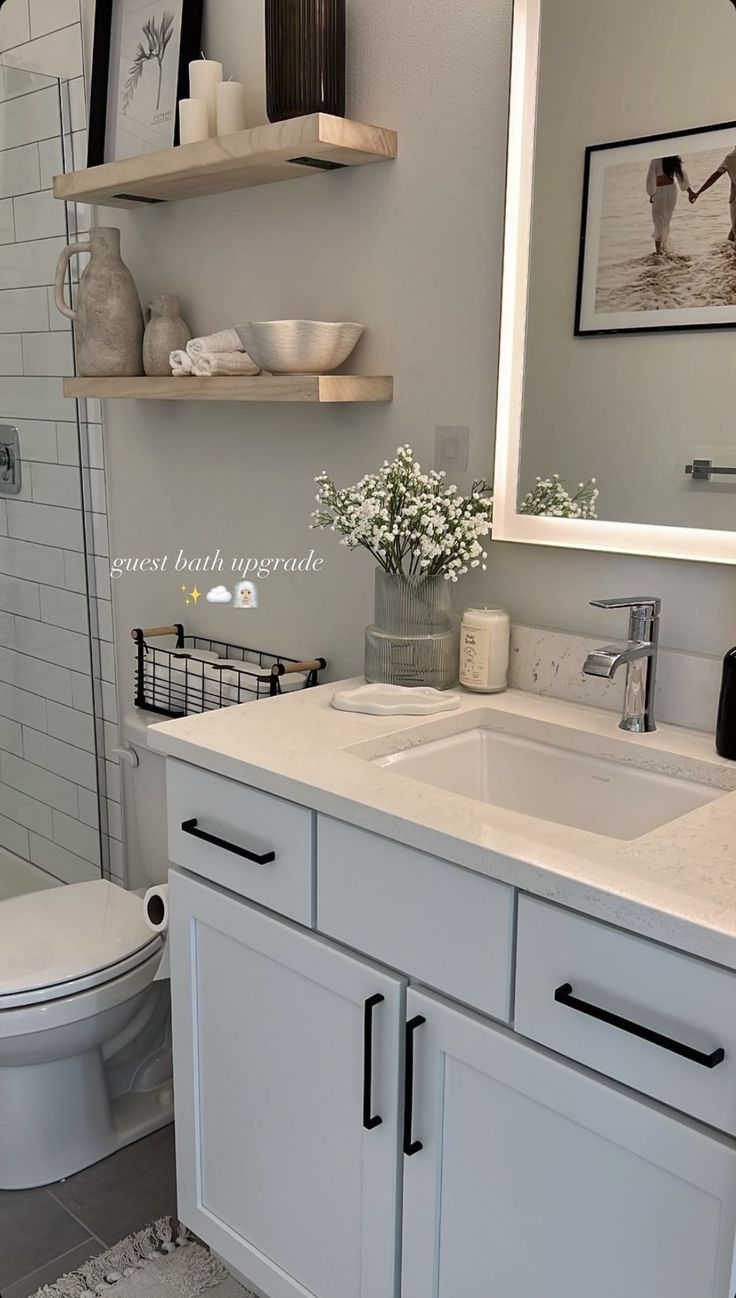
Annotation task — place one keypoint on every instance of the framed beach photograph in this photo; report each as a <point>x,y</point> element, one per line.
<point>658,249</point>
<point>140,70</point>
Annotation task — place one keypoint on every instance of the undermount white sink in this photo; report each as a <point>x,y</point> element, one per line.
<point>554,781</point>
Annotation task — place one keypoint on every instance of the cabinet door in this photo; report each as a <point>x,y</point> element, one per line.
<point>534,1178</point>
<point>286,1052</point>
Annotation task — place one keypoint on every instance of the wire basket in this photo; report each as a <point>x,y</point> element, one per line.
<point>198,674</point>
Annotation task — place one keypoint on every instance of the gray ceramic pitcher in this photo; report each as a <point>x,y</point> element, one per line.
<point>108,318</point>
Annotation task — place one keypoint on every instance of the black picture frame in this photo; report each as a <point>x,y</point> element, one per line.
<point>590,154</point>
<point>189,49</point>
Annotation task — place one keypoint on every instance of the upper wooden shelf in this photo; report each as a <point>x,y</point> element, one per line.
<point>319,388</point>
<point>260,156</point>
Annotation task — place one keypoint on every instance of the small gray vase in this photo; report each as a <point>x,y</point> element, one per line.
<point>108,318</point>
<point>166,332</point>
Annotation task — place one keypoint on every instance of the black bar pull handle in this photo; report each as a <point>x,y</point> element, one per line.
<point>192,827</point>
<point>370,1120</point>
<point>411,1146</point>
<point>564,996</point>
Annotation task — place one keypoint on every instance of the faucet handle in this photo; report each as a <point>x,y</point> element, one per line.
<point>650,602</point>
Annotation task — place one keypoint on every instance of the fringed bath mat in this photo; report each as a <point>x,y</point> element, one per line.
<point>162,1261</point>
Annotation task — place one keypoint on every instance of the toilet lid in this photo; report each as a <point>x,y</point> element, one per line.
<point>65,939</point>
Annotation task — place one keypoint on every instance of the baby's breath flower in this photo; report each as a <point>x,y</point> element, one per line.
<point>551,498</point>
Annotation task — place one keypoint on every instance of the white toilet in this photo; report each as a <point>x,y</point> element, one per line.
<point>85,1049</point>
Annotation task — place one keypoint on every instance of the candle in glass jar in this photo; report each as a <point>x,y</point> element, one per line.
<point>485,637</point>
<point>205,76</point>
<point>230,107</point>
<point>193,121</point>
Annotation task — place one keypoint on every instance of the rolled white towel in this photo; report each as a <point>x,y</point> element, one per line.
<point>181,363</point>
<point>216,363</point>
<point>227,340</point>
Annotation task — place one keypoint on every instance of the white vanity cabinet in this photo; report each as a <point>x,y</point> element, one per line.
<point>529,1177</point>
<point>343,1132</point>
<point>286,1052</point>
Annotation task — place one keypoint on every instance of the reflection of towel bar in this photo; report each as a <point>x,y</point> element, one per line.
<point>704,470</point>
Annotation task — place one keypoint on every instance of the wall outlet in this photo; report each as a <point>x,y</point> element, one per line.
<point>452,447</point>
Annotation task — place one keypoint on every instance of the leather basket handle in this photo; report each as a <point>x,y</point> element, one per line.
<point>61,271</point>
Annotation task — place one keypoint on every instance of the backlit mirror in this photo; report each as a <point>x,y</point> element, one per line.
<point>616,428</point>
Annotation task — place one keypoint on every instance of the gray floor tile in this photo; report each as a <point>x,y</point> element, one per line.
<point>126,1191</point>
<point>52,1271</point>
<point>34,1230</point>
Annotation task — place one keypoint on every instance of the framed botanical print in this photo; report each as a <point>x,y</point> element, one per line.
<point>141,53</point>
<point>658,245</point>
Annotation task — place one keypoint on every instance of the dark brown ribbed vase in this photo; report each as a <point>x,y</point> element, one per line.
<point>305,58</point>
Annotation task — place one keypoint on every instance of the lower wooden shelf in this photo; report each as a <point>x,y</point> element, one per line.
<point>324,388</point>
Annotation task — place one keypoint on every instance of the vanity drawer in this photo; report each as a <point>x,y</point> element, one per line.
<point>443,925</point>
<point>569,969</point>
<point>247,824</point>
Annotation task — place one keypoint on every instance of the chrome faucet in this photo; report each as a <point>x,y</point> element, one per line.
<point>639,658</point>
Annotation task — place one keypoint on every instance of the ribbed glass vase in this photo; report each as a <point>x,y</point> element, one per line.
<point>415,639</point>
<point>305,58</point>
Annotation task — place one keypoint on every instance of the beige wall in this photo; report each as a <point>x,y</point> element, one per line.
<point>414,251</point>
<point>630,410</point>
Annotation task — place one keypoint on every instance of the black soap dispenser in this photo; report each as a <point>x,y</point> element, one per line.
<point>726,727</point>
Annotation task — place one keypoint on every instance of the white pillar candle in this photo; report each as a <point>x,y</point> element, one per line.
<point>484,650</point>
<point>205,76</point>
<point>193,121</point>
<point>230,107</point>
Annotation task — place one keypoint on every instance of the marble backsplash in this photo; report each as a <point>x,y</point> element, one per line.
<point>551,663</point>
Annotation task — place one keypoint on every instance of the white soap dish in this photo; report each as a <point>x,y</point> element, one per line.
<point>395,701</point>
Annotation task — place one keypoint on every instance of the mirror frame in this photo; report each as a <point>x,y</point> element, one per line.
<point>648,539</point>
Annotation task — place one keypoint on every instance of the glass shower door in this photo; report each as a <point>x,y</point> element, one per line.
<point>49,772</point>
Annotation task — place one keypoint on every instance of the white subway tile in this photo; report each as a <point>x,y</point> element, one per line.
<point>113,781</point>
<point>11,354</point>
<point>117,859</point>
<point>77,104</point>
<point>50,15</point>
<point>67,435</point>
<point>61,863</point>
<point>31,562</point>
<point>7,223</point>
<point>57,55</point>
<point>28,265</point>
<point>82,698</point>
<point>64,608</point>
<point>34,117</point>
<point>11,736</point>
<point>111,740</point>
<point>40,784</point>
<point>109,701</point>
<point>92,448</point>
<point>75,578</point>
<point>98,534</point>
<point>15,26</point>
<point>52,644</point>
<point>14,837</point>
<point>19,705</point>
<point>43,678</point>
<point>81,839</point>
<point>3,518</point>
<point>98,494</point>
<point>60,758</point>
<point>20,171</point>
<point>25,811</point>
<point>79,150</point>
<point>51,160</point>
<point>103,609</point>
<point>107,661</point>
<point>19,596</point>
<point>38,216</point>
<point>89,811</point>
<point>23,310</point>
<point>72,727</point>
<point>100,583</point>
<point>45,524</point>
<point>114,820</point>
<point>37,439</point>
<point>57,484</point>
<point>49,354</point>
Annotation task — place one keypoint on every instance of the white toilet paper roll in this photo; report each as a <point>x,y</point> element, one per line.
<point>156,908</point>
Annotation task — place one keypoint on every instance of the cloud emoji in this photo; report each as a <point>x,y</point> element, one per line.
<point>220,595</point>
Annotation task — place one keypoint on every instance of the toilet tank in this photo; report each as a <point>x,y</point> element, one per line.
<point>144,804</point>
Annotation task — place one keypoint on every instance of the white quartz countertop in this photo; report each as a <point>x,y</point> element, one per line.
<point>676,884</point>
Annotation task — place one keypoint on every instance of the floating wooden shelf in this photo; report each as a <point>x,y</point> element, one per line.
<point>260,156</point>
<point>277,387</point>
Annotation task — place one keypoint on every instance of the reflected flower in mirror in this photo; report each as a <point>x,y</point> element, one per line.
<point>552,498</point>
